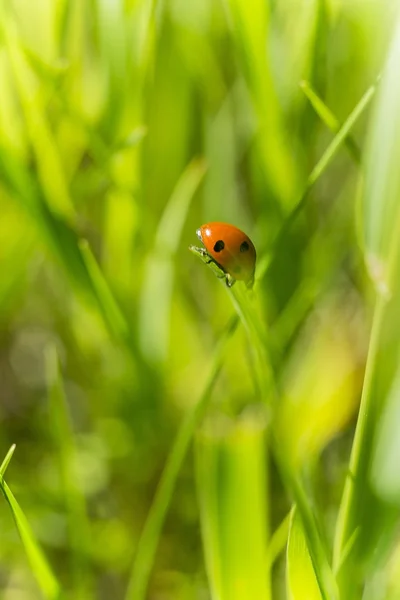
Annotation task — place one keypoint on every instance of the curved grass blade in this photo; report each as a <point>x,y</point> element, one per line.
<point>330,120</point>
<point>39,566</point>
<point>157,287</point>
<point>6,461</point>
<point>106,302</point>
<point>300,575</point>
<point>318,170</point>
<point>278,540</point>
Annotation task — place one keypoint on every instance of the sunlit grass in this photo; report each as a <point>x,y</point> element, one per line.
<point>199,430</point>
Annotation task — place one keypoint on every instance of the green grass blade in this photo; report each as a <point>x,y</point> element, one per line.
<point>250,25</point>
<point>278,540</point>
<point>37,560</point>
<point>107,304</point>
<point>363,517</point>
<point>324,113</point>
<point>231,486</point>
<point>384,476</point>
<point>356,499</point>
<point>6,461</point>
<point>379,208</point>
<point>157,288</point>
<point>147,546</point>
<point>330,120</point>
<point>316,548</point>
<point>300,576</point>
<point>341,136</point>
<point>318,170</point>
<point>78,524</point>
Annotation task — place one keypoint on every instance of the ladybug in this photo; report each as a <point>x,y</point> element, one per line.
<point>229,251</point>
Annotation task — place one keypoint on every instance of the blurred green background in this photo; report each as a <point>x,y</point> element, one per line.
<point>124,126</point>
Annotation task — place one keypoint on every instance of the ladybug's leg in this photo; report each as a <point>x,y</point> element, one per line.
<point>209,261</point>
<point>229,280</point>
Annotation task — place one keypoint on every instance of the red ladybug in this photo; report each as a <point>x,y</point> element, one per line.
<point>232,251</point>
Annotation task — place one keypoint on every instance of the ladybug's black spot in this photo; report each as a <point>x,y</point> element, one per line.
<point>244,246</point>
<point>218,246</point>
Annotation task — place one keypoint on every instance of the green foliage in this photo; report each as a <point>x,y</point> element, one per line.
<point>124,126</point>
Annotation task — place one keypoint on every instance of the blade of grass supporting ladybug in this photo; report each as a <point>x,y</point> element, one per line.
<point>367,514</point>
<point>147,546</point>
<point>252,322</point>
<point>330,120</point>
<point>75,504</point>
<point>40,568</point>
<point>300,576</point>
<point>155,301</point>
<point>231,486</point>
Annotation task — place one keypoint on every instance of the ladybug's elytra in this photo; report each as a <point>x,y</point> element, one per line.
<point>231,249</point>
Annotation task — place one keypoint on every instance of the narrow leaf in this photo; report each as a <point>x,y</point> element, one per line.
<point>231,484</point>
<point>37,560</point>
<point>157,288</point>
<point>301,582</point>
